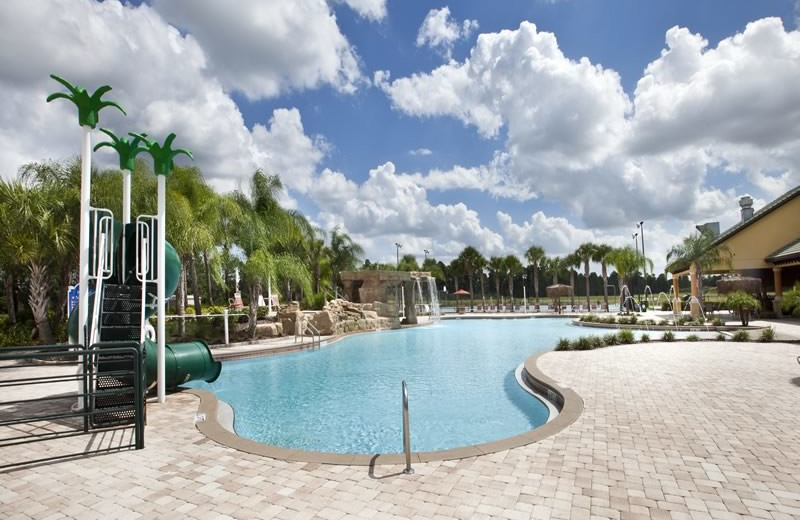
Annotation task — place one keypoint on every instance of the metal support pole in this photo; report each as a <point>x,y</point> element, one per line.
<point>83,241</point>
<point>406,432</point>
<point>126,196</point>
<point>160,293</point>
<point>225,312</point>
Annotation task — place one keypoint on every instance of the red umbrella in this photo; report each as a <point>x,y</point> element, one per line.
<point>459,293</point>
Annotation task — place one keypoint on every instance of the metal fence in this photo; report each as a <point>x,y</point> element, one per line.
<point>71,392</point>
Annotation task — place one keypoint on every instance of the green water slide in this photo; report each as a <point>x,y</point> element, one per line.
<point>188,361</point>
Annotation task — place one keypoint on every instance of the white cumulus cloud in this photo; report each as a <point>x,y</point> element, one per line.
<point>440,31</point>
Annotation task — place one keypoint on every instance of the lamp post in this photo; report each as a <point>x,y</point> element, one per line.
<point>525,289</point>
<point>636,245</point>
<point>426,253</point>
<point>644,259</point>
<point>398,246</point>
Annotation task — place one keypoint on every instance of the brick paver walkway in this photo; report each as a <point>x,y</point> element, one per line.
<point>682,430</point>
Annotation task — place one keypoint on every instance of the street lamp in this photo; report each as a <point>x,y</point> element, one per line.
<point>636,245</point>
<point>398,246</point>
<point>426,253</point>
<point>644,259</point>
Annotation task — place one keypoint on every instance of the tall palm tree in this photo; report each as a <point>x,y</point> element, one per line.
<point>345,254</point>
<point>37,229</point>
<point>699,249</point>
<point>497,268</point>
<point>265,238</point>
<point>585,252</point>
<point>555,265</point>
<point>471,261</point>
<point>514,268</point>
<point>600,255</point>
<point>627,262</point>
<point>572,261</point>
<point>536,258</point>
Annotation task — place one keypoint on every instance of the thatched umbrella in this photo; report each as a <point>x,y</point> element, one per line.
<point>748,284</point>
<point>555,292</point>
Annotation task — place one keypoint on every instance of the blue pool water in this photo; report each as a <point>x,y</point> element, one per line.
<point>346,397</point>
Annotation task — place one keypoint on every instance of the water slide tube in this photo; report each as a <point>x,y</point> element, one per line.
<point>185,362</point>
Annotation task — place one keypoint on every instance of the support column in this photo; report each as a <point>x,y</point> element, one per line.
<point>161,240</point>
<point>676,296</point>
<point>83,238</point>
<point>694,305</point>
<point>777,273</point>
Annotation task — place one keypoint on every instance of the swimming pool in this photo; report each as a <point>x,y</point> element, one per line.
<point>346,397</point>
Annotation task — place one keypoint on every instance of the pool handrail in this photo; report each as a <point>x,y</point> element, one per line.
<point>406,432</point>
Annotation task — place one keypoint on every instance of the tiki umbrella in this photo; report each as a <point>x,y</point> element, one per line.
<point>459,293</point>
<point>748,284</point>
<point>555,292</point>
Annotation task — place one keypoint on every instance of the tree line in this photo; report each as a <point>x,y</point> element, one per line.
<point>214,234</point>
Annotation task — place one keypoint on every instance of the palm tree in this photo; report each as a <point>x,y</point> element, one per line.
<point>345,254</point>
<point>555,265</point>
<point>536,258</point>
<point>37,229</point>
<point>627,262</point>
<point>408,262</point>
<point>585,252</point>
<point>514,268</point>
<point>497,268</point>
<point>699,249</point>
<point>600,255</point>
<point>572,261</point>
<point>265,237</point>
<point>471,261</point>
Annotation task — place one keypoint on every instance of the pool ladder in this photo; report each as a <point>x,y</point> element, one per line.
<point>406,432</point>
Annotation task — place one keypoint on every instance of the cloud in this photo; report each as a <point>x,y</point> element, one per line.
<point>573,136</point>
<point>374,10</point>
<point>421,151</point>
<point>439,31</point>
<point>175,94</point>
<point>266,47</point>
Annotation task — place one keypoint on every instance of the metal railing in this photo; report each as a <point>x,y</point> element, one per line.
<point>314,333</point>
<point>406,432</point>
<point>48,415</point>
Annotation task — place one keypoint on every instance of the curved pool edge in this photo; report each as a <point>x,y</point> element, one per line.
<point>568,402</point>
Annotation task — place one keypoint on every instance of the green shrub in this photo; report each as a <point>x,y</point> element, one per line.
<point>16,335</point>
<point>610,340</point>
<point>214,309</point>
<point>314,302</point>
<point>721,337</point>
<point>665,306</point>
<point>767,335</point>
<point>610,319</point>
<point>590,318</point>
<point>741,335</point>
<point>668,336</point>
<point>626,337</point>
<point>796,312</point>
<point>582,343</point>
<point>717,322</point>
<point>597,342</point>
<point>791,301</point>
<point>645,338</point>
<point>742,303</point>
<point>648,322</point>
<point>563,344</point>
<point>692,337</point>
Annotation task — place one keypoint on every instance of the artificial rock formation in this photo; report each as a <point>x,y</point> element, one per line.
<point>341,317</point>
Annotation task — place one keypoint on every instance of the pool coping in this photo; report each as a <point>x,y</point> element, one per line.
<point>659,328</point>
<point>569,403</point>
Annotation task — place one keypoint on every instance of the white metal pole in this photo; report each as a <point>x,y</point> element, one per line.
<point>161,273</point>
<point>126,196</point>
<point>269,295</point>
<point>83,243</point>
<point>227,337</point>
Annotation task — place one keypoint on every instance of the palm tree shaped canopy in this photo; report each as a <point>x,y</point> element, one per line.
<point>162,154</point>
<point>127,150</point>
<point>89,107</point>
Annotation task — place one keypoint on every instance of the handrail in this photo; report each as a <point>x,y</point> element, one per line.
<point>314,331</point>
<point>406,432</point>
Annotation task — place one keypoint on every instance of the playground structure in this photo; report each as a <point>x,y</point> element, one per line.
<point>122,262</point>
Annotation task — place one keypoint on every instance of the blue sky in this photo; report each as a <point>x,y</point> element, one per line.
<point>543,137</point>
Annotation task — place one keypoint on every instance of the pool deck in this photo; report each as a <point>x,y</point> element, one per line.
<point>679,430</point>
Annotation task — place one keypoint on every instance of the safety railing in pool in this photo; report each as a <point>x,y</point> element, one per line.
<point>314,334</point>
<point>406,432</point>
